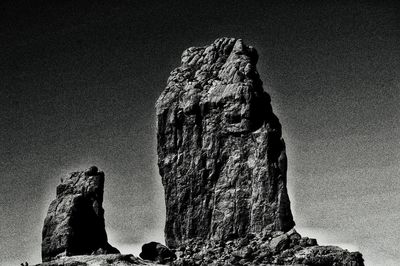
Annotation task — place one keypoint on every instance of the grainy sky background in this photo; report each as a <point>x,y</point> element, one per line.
<point>79,79</point>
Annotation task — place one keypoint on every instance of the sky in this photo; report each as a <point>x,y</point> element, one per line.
<point>79,80</point>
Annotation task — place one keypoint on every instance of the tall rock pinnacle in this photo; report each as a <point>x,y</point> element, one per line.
<point>221,153</point>
<point>74,224</point>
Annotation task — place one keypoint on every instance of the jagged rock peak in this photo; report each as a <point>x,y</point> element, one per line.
<point>220,152</point>
<point>74,224</point>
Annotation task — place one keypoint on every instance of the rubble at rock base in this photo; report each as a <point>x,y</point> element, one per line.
<point>274,249</point>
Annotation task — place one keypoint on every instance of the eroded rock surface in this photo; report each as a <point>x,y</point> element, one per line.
<point>221,154</point>
<point>223,165</point>
<point>74,224</point>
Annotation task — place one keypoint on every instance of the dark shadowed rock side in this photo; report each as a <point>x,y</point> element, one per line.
<point>223,165</point>
<point>154,251</point>
<point>74,224</point>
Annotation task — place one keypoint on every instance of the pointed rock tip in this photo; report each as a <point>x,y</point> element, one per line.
<point>92,170</point>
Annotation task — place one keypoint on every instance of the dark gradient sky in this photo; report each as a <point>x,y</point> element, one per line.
<point>79,80</point>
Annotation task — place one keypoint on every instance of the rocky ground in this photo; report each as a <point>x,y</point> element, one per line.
<point>276,249</point>
<point>97,260</point>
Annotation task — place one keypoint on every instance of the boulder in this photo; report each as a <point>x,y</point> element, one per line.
<point>279,243</point>
<point>328,255</point>
<point>154,251</point>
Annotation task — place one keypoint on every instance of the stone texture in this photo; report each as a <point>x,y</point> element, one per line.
<point>74,224</point>
<point>267,249</point>
<point>223,166</point>
<point>97,260</point>
<point>157,252</point>
<point>279,243</point>
<point>221,154</point>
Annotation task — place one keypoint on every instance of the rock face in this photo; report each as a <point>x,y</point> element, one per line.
<point>223,165</point>
<point>74,224</point>
<point>221,155</point>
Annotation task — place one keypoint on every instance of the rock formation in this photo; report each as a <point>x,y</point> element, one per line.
<point>221,155</point>
<point>74,224</point>
<point>223,166</point>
